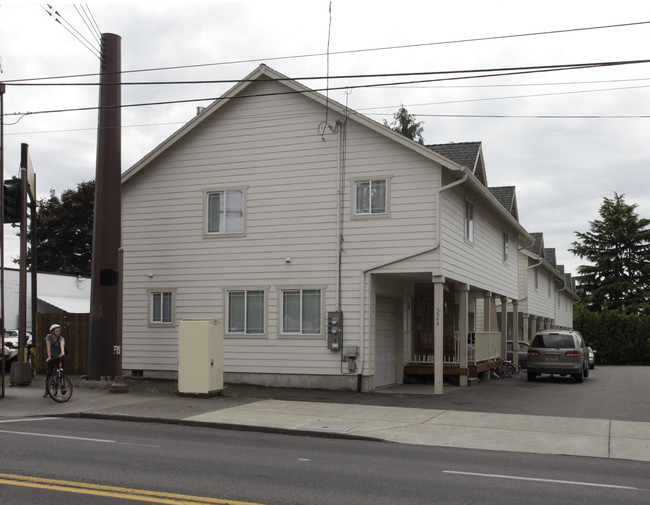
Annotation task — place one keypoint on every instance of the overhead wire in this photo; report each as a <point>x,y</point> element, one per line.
<point>56,16</point>
<point>351,51</point>
<point>82,14</point>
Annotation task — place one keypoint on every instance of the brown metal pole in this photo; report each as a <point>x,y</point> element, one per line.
<point>107,215</point>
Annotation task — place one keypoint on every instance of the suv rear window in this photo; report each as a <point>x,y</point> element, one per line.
<point>560,340</point>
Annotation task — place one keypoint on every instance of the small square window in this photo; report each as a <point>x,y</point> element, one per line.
<point>301,312</point>
<point>224,212</point>
<point>161,308</point>
<point>246,312</point>
<point>370,197</point>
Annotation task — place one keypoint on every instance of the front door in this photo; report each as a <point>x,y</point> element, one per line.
<point>386,337</point>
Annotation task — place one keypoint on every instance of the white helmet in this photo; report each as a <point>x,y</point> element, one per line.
<point>54,327</point>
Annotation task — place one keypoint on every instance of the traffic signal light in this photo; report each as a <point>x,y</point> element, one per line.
<point>12,201</point>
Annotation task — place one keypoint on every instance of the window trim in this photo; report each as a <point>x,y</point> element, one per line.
<point>506,247</point>
<point>206,194</point>
<point>353,196</point>
<point>150,306</point>
<point>281,333</point>
<point>226,311</point>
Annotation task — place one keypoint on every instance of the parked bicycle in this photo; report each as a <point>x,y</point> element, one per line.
<point>506,368</point>
<point>59,386</point>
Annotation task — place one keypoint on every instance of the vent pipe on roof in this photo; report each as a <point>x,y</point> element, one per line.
<point>199,109</point>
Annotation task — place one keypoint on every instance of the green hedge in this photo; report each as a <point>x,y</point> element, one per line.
<point>618,339</point>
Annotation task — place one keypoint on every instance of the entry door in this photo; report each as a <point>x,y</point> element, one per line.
<point>386,332</point>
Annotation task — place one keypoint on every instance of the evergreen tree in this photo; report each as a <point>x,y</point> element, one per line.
<point>405,123</point>
<point>64,231</point>
<point>618,247</point>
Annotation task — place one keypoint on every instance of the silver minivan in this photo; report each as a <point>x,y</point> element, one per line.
<point>558,352</point>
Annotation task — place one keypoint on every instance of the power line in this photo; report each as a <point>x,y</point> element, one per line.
<point>507,70</point>
<point>72,30</point>
<point>352,51</point>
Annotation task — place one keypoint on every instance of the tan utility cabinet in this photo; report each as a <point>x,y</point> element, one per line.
<point>200,356</point>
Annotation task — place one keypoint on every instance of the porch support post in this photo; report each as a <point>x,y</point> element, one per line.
<point>526,331</point>
<point>438,325</point>
<point>487,297</point>
<point>515,331</point>
<point>533,327</point>
<point>504,325</point>
<point>463,328</point>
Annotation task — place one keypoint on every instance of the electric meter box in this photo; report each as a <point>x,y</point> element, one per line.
<point>335,330</point>
<point>200,357</point>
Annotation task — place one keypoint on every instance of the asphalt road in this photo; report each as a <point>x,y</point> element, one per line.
<point>109,462</point>
<point>621,393</point>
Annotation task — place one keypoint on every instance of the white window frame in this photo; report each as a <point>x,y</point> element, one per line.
<point>469,222</point>
<point>233,191</point>
<point>245,331</point>
<point>301,331</point>
<point>356,184</point>
<point>506,247</point>
<point>152,294</point>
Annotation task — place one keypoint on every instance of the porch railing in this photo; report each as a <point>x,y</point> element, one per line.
<point>481,346</point>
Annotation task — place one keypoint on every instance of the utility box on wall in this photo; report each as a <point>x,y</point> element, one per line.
<point>335,330</point>
<point>200,357</point>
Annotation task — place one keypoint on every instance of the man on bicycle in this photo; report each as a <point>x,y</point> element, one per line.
<point>55,345</point>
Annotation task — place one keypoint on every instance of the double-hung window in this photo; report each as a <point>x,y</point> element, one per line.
<point>161,308</point>
<point>224,212</point>
<point>469,221</point>
<point>505,247</point>
<point>246,312</point>
<point>301,312</point>
<point>370,197</point>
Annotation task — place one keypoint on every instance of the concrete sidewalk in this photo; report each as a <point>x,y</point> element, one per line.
<point>385,417</point>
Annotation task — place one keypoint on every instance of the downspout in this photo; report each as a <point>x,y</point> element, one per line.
<point>339,210</point>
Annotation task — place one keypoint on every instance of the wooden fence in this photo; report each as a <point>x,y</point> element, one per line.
<point>75,328</point>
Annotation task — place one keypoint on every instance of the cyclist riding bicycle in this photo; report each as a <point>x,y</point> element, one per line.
<point>55,345</point>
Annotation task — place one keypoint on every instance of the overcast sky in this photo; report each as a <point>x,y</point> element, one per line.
<point>565,139</point>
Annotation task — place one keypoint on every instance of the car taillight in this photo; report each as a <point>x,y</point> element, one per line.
<point>532,352</point>
<point>573,354</point>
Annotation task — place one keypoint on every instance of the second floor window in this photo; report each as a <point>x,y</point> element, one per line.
<point>370,197</point>
<point>469,221</point>
<point>225,211</point>
<point>505,247</point>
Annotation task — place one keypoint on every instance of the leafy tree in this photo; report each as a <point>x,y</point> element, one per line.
<point>405,123</point>
<point>618,247</point>
<point>64,231</point>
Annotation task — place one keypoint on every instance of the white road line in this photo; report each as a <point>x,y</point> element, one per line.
<point>98,440</point>
<point>28,419</point>
<point>513,477</point>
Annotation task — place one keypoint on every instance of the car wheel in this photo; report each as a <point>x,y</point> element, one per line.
<point>591,367</point>
<point>532,377</point>
<point>586,372</point>
<point>580,376</point>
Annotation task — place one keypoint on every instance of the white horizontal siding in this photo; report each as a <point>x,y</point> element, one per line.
<point>478,263</point>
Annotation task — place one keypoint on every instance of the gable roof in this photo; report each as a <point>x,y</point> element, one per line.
<point>507,197</point>
<point>466,154</point>
<point>473,174</point>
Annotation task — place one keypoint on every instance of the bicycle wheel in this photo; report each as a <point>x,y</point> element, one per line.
<point>60,388</point>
